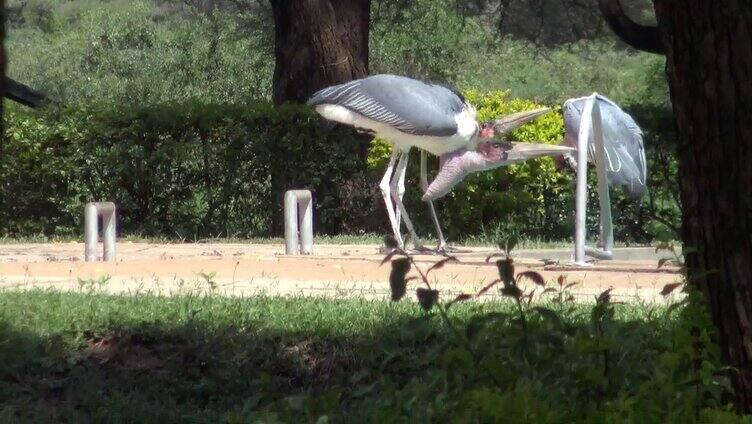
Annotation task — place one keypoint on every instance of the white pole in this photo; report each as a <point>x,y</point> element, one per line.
<point>91,230</point>
<point>298,222</point>
<point>91,235</point>
<point>291,223</point>
<point>305,209</point>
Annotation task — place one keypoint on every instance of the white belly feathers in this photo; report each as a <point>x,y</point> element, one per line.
<point>466,130</point>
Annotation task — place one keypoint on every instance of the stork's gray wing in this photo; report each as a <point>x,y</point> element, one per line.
<point>622,141</point>
<point>408,105</point>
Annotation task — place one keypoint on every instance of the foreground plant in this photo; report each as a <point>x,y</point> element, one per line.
<point>547,342</point>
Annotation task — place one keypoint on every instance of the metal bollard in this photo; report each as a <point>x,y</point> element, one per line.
<point>298,222</point>
<point>91,233</point>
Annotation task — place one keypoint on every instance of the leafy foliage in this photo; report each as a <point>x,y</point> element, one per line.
<point>181,170</point>
<point>140,52</point>
<point>535,363</point>
<point>80,357</point>
<point>196,169</point>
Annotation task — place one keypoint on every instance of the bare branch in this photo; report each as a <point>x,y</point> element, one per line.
<point>641,37</point>
<point>20,93</point>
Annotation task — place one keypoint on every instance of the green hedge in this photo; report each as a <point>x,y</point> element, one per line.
<point>186,170</point>
<point>196,170</point>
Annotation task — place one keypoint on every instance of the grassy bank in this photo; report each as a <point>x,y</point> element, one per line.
<point>87,357</point>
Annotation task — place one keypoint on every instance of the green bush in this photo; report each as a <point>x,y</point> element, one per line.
<point>561,359</point>
<point>177,170</point>
<point>192,169</point>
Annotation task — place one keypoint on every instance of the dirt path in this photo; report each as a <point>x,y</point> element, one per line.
<point>334,270</point>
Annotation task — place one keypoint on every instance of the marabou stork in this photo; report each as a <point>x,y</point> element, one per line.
<point>624,148</point>
<point>434,118</point>
<point>611,140</point>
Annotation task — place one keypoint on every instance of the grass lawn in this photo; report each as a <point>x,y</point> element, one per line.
<point>83,357</point>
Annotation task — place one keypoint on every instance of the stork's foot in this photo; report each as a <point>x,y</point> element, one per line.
<point>421,250</point>
<point>444,249</point>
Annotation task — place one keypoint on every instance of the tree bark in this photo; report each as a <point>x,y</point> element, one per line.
<point>2,66</point>
<point>709,66</point>
<point>318,43</point>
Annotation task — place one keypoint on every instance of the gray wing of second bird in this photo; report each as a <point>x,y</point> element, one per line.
<point>408,105</point>
<point>622,141</point>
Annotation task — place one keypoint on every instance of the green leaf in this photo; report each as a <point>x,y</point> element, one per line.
<point>487,287</point>
<point>511,243</point>
<point>676,305</point>
<point>397,283</point>
<point>460,298</point>
<point>506,270</point>
<point>427,298</point>
<point>534,276</point>
<point>604,297</point>
<point>669,288</point>
<point>440,264</point>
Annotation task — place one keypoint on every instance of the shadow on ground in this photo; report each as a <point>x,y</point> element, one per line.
<point>93,358</point>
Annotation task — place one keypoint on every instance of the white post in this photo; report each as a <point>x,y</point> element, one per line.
<point>581,190</point>
<point>91,231</point>
<point>298,222</point>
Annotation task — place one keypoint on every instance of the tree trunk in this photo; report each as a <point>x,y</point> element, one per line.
<point>2,66</point>
<point>318,43</point>
<point>709,66</point>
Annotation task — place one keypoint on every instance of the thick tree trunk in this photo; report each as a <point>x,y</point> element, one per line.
<point>709,52</point>
<point>318,43</point>
<point>2,65</point>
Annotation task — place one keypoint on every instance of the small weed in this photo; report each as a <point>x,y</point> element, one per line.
<point>91,285</point>
<point>208,278</point>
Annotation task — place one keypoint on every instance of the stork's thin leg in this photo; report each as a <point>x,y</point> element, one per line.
<point>606,239</point>
<point>401,188</point>
<point>424,185</point>
<point>399,174</point>
<point>387,194</point>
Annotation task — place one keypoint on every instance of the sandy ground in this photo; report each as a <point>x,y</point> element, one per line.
<point>333,270</point>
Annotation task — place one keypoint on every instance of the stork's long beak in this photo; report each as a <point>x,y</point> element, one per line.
<point>524,151</point>
<point>456,165</point>
<point>511,122</point>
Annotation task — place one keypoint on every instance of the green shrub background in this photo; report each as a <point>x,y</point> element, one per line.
<point>177,170</point>
<point>192,170</point>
